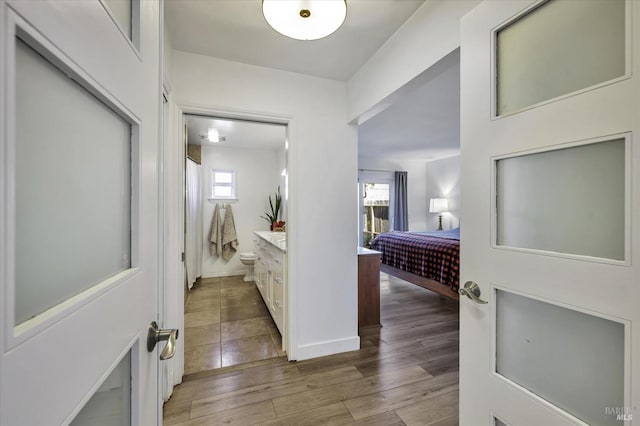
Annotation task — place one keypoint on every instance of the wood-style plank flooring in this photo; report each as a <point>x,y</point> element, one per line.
<point>406,373</point>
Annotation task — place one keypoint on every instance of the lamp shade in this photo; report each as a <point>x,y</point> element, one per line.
<point>438,205</point>
<point>305,19</point>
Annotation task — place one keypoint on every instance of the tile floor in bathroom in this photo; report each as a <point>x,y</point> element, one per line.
<point>227,323</point>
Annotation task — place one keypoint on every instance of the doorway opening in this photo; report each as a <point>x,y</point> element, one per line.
<point>418,133</point>
<point>234,169</point>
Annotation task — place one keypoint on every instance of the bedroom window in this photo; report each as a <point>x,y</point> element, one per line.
<point>223,184</point>
<point>375,218</point>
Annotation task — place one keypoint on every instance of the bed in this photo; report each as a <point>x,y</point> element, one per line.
<point>431,255</point>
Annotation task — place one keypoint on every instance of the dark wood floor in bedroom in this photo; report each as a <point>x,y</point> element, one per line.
<point>406,373</point>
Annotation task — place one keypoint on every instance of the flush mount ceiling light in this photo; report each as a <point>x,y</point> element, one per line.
<point>305,19</point>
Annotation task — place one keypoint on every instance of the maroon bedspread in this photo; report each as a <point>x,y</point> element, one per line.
<point>431,257</point>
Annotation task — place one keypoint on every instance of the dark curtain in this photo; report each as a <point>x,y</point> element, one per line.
<point>400,213</point>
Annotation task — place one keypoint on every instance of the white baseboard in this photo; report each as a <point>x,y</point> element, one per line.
<point>314,350</point>
<point>224,274</point>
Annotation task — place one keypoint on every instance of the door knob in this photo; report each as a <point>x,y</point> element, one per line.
<point>472,291</point>
<point>156,335</point>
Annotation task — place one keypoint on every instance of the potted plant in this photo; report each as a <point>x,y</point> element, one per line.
<point>272,216</point>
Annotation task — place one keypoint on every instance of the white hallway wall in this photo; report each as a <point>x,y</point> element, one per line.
<point>443,180</point>
<point>434,30</point>
<point>323,154</point>
<point>257,177</point>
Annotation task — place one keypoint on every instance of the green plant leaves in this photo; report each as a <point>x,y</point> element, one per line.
<point>272,216</point>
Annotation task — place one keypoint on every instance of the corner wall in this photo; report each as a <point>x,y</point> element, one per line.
<point>430,34</point>
<point>443,180</point>
<point>322,208</point>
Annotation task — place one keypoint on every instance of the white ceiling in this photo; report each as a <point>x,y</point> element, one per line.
<point>237,133</point>
<point>422,124</point>
<point>237,31</point>
<point>422,121</point>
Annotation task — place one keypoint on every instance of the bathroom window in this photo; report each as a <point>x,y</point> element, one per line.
<point>223,184</point>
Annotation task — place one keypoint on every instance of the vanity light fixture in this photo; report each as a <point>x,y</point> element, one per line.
<point>305,19</point>
<point>213,136</point>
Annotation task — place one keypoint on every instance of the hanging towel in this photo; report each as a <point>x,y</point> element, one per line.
<point>215,235</point>
<point>229,236</point>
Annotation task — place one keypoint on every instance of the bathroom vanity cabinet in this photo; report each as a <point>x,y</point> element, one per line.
<point>270,275</point>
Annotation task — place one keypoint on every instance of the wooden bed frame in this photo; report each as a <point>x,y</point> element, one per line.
<point>432,285</point>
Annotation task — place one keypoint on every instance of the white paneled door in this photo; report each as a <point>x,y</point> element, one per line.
<point>79,113</point>
<point>550,124</point>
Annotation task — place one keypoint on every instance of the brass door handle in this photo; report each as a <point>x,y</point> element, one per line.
<point>156,335</point>
<point>472,291</point>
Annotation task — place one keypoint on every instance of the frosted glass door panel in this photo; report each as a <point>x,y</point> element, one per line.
<point>569,200</point>
<point>571,359</point>
<point>561,47</point>
<point>122,12</point>
<point>73,187</point>
<point>111,404</point>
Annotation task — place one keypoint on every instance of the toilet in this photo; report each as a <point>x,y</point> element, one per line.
<point>248,259</point>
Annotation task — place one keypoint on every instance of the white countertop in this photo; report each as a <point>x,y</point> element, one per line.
<point>277,239</point>
<point>365,251</point>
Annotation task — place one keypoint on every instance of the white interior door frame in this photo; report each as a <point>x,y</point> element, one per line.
<point>172,292</point>
<point>292,170</point>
